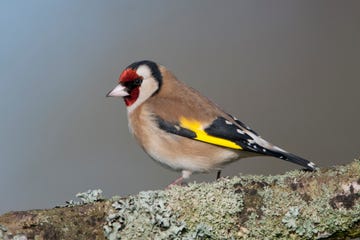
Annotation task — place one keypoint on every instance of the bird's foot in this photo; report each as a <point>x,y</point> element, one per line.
<point>180,181</point>
<point>177,182</point>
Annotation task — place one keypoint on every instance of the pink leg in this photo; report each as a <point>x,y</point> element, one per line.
<point>179,181</point>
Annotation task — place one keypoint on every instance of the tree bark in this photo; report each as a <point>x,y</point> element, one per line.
<point>297,205</point>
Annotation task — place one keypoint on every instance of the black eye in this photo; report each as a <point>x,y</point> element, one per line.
<point>137,82</point>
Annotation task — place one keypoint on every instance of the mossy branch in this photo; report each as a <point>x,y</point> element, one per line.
<point>297,205</point>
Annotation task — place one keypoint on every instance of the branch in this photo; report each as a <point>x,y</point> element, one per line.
<point>296,205</point>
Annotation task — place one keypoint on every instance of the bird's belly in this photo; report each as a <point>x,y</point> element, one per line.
<point>182,153</point>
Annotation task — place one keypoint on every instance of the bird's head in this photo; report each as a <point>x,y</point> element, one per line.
<point>138,82</point>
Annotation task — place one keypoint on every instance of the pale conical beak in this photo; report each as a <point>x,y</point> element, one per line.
<point>118,91</point>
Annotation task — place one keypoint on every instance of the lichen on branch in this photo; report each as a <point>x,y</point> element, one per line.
<point>296,205</point>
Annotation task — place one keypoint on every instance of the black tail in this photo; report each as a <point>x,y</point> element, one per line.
<point>292,158</point>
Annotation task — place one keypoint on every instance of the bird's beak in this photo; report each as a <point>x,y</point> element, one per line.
<point>118,91</point>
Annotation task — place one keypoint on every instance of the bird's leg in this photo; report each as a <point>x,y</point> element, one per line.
<point>218,175</point>
<point>179,181</point>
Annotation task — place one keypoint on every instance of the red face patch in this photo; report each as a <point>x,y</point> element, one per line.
<point>128,75</point>
<point>134,94</point>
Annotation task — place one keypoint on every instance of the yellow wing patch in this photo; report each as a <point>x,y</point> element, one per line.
<point>201,135</point>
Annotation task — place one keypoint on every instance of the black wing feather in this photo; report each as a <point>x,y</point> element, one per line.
<point>175,128</point>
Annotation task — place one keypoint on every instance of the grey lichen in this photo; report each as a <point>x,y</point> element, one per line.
<point>202,231</point>
<point>19,237</point>
<point>6,235</point>
<point>290,217</point>
<point>302,205</point>
<point>291,221</point>
<point>216,205</point>
<point>146,216</point>
<point>296,205</point>
<point>200,211</point>
<point>90,196</point>
<point>3,232</point>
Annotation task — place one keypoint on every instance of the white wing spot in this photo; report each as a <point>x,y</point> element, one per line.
<point>228,122</point>
<point>177,127</point>
<point>311,164</point>
<point>264,150</point>
<point>240,131</point>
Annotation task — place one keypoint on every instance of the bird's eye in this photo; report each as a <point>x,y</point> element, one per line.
<point>137,82</point>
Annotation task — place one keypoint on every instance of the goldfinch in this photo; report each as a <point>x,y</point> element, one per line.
<point>184,130</point>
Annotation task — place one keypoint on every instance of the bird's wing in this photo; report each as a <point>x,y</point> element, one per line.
<point>229,134</point>
<point>221,132</point>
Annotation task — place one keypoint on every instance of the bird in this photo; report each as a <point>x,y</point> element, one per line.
<point>184,130</point>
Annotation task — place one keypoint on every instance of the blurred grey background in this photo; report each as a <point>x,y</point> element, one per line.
<point>289,69</point>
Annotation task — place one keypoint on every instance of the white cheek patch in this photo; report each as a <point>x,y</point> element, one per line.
<point>144,71</point>
<point>147,88</point>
